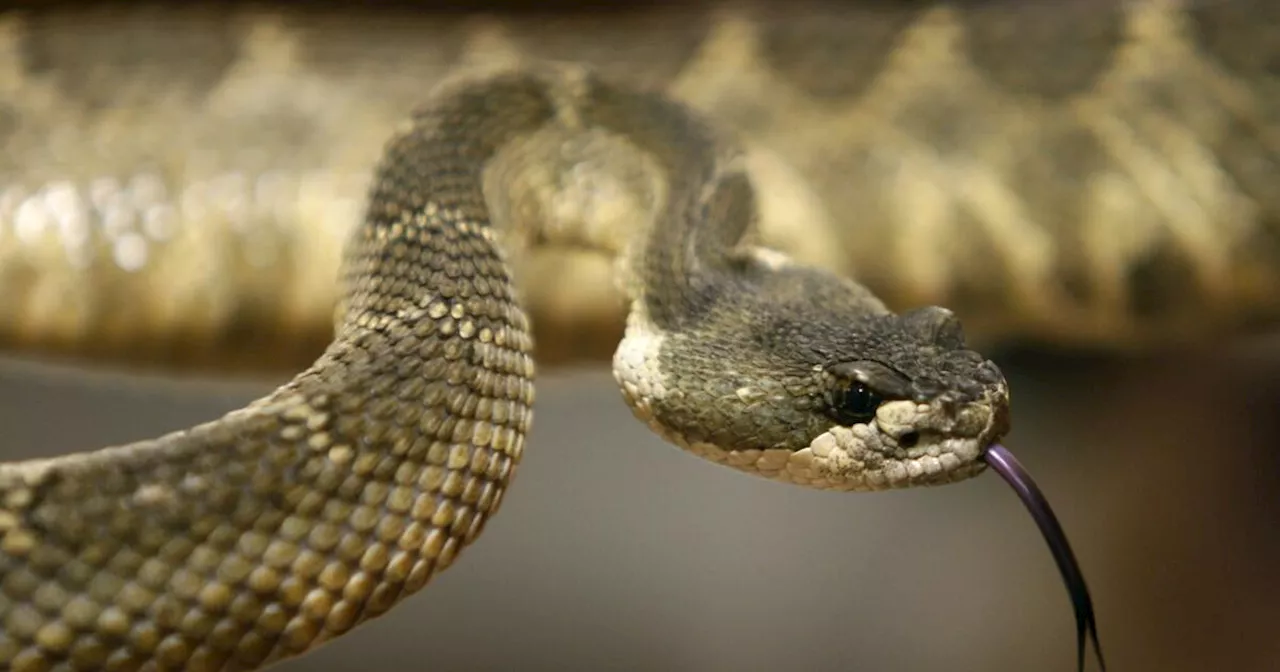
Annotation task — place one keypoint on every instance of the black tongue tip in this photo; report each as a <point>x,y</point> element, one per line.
<point>1004,463</point>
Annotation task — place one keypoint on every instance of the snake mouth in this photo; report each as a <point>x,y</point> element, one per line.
<point>907,444</point>
<point>1002,461</point>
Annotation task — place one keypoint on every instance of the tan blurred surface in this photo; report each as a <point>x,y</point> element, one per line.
<point>615,551</point>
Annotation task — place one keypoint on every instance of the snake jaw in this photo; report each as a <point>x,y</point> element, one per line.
<point>907,444</point>
<point>949,445</point>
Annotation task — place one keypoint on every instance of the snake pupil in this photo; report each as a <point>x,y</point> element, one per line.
<point>857,403</point>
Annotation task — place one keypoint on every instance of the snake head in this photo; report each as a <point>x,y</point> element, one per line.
<point>914,407</point>
<point>809,380</point>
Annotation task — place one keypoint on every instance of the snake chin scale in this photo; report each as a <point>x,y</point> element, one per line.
<point>636,366</point>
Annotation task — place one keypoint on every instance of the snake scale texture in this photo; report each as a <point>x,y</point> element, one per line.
<point>689,187</point>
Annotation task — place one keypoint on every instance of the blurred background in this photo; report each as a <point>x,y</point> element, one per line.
<point>616,551</point>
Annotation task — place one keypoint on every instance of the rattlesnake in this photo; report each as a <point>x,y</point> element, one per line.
<point>1091,172</point>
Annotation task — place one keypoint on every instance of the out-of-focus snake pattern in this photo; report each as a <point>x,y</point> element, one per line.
<point>190,183</point>
<point>176,181</point>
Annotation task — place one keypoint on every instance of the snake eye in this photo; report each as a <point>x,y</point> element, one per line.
<point>856,403</point>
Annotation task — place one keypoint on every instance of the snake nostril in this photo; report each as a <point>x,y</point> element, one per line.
<point>909,440</point>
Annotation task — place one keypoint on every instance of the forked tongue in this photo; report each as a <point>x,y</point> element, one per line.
<point>1005,464</point>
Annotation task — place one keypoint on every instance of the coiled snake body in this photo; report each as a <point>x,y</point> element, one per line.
<point>264,533</point>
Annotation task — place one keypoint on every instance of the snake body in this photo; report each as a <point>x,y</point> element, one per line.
<point>733,185</point>
<point>259,535</point>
